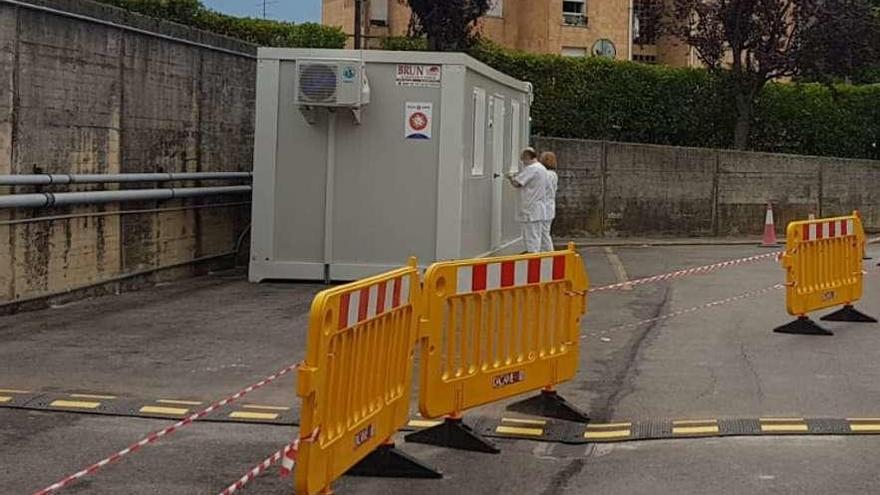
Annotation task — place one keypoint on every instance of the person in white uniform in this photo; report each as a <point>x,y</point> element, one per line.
<point>532,184</point>
<point>548,159</point>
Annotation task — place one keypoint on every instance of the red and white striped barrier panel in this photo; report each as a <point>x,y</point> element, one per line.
<point>690,271</point>
<point>498,275</point>
<point>694,309</point>
<point>372,301</point>
<point>287,455</point>
<point>152,437</point>
<point>829,230</point>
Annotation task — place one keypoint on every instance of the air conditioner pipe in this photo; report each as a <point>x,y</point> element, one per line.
<point>48,200</point>
<point>52,179</point>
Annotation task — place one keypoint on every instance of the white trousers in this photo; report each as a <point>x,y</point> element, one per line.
<point>546,240</point>
<point>532,236</point>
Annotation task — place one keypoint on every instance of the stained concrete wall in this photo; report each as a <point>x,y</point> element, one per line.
<point>83,97</point>
<point>608,189</point>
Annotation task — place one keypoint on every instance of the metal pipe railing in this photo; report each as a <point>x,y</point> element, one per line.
<point>47,200</point>
<point>53,179</point>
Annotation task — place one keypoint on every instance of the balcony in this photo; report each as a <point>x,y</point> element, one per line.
<point>574,19</point>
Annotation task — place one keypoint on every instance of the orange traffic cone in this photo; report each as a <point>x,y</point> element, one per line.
<point>769,229</point>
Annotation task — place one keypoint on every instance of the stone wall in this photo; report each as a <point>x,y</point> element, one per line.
<point>78,96</point>
<point>608,189</point>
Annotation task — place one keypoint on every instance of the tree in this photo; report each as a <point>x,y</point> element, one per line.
<point>447,24</point>
<point>756,41</point>
<point>845,44</point>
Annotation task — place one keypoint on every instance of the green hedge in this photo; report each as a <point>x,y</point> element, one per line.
<point>595,98</point>
<point>257,31</point>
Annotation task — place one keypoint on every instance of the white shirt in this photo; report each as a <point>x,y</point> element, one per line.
<point>550,197</point>
<point>533,182</point>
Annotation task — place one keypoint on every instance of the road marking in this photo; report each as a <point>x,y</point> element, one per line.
<point>783,425</point>
<point>625,424</point>
<point>171,411</point>
<point>608,431</point>
<point>4,399</point>
<point>515,430</point>
<point>265,408</point>
<point>865,427</point>
<point>686,422</point>
<point>90,396</point>
<point>607,434</point>
<point>253,415</point>
<point>695,427</point>
<point>619,269</point>
<point>695,430</point>
<point>423,423</point>
<point>180,402</point>
<point>76,404</point>
<point>538,422</point>
<point>13,391</point>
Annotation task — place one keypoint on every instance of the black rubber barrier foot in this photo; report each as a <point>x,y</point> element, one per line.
<point>388,462</point>
<point>849,313</point>
<point>453,433</point>
<point>803,326</point>
<point>550,404</point>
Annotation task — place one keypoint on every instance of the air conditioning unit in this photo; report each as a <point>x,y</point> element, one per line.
<point>331,83</point>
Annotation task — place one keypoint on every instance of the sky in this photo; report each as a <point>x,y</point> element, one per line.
<point>287,10</point>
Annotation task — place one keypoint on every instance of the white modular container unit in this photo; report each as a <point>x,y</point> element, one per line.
<point>364,158</point>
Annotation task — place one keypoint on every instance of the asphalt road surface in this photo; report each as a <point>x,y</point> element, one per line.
<point>202,339</point>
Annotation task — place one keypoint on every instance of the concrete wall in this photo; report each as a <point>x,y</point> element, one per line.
<point>81,97</point>
<point>633,189</point>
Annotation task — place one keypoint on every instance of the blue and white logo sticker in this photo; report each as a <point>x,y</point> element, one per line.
<point>349,73</point>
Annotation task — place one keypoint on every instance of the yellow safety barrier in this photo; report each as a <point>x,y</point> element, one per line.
<point>356,379</point>
<point>823,263</point>
<point>495,328</point>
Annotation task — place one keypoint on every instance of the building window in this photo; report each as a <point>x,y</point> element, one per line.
<point>496,9</point>
<point>573,51</point>
<point>574,12</point>
<point>479,143</point>
<point>645,59</point>
<point>379,13</point>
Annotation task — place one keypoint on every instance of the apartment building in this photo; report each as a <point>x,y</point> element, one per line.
<point>577,28</point>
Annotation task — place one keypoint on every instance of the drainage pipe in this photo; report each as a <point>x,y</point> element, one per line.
<point>52,179</point>
<point>47,200</point>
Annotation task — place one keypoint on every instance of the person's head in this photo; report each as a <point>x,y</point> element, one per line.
<point>548,159</point>
<point>528,155</point>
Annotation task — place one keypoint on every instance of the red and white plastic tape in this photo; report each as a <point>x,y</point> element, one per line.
<point>288,455</point>
<point>744,295</point>
<point>152,437</point>
<point>690,271</point>
<point>258,470</point>
<point>369,302</point>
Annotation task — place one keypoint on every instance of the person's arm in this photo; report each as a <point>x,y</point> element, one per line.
<point>523,178</point>
<point>511,177</point>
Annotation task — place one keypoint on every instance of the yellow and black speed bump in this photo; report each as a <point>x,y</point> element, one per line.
<point>16,397</point>
<point>619,431</point>
<point>514,427</point>
<point>112,405</point>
